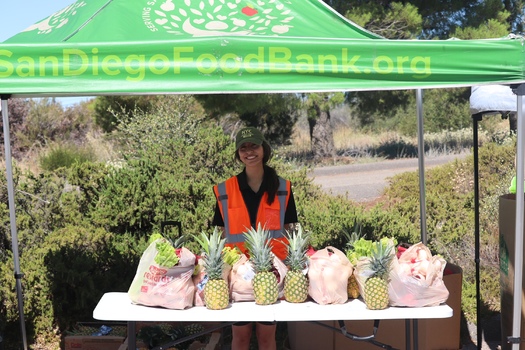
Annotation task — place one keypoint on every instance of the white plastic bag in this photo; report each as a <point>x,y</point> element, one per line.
<point>416,278</point>
<point>328,275</point>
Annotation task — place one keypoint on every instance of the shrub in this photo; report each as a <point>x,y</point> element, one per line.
<point>65,156</point>
<point>82,229</point>
<point>450,214</point>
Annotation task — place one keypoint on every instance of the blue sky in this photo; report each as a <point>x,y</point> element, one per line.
<point>17,15</point>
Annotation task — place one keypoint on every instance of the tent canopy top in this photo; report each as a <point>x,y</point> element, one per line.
<point>117,47</point>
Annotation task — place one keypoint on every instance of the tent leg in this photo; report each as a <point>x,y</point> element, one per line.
<point>12,219</point>
<point>518,249</point>
<point>421,162</point>
<point>475,120</point>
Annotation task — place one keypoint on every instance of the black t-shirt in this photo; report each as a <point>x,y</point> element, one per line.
<point>252,201</point>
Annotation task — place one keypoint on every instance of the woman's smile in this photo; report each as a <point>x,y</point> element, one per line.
<point>250,153</point>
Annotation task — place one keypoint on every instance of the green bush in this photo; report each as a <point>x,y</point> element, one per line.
<point>82,229</point>
<point>64,156</point>
<point>450,215</point>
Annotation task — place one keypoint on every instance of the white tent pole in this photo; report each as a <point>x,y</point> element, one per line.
<point>12,219</point>
<point>518,249</point>
<point>421,162</point>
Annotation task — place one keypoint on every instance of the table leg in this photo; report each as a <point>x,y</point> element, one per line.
<point>407,334</point>
<point>415,334</point>
<point>132,335</point>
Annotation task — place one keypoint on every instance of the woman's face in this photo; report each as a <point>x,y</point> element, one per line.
<point>251,154</point>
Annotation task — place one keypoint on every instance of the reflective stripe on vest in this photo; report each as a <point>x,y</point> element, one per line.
<point>282,194</point>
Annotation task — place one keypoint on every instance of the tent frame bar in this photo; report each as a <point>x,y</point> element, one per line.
<point>515,340</point>
<point>476,118</point>
<point>421,166</point>
<point>12,218</point>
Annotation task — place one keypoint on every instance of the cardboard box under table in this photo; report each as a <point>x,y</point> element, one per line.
<point>86,342</point>
<point>213,343</point>
<point>432,334</point>
<point>507,243</point>
<point>118,307</point>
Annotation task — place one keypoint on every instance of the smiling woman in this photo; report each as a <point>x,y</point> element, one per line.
<point>256,198</point>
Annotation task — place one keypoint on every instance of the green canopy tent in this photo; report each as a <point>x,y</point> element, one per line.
<point>117,47</point>
<point>101,47</point>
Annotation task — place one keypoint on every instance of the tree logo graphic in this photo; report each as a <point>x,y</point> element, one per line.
<point>56,20</point>
<point>223,17</point>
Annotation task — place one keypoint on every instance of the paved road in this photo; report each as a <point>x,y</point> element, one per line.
<point>366,181</point>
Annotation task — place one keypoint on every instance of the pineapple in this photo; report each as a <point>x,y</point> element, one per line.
<point>378,268</point>
<point>295,281</point>
<point>351,238</point>
<point>264,282</point>
<point>216,291</point>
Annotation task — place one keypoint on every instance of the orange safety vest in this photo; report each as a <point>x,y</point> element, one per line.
<point>237,219</point>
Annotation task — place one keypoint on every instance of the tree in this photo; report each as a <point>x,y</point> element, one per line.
<point>425,19</point>
<point>395,21</point>
<point>18,109</point>
<point>318,107</point>
<point>274,114</point>
<point>107,106</point>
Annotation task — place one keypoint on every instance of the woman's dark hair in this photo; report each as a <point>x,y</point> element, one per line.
<point>272,182</point>
<point>270,175</point>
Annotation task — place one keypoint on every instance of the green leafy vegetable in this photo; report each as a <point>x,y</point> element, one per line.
<point>231,255</point>
<point>363,248</point>
<point>166,253</point>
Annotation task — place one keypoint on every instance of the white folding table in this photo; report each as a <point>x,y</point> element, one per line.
<point>117,306</point>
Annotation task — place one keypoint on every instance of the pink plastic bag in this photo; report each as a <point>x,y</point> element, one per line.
<point>242,274</point>
<point>416,278</point>
<point>199,281</point>
<point>241,277</point>
<point>155,285</point>
<point>281,269</point>
<point>328,275</point>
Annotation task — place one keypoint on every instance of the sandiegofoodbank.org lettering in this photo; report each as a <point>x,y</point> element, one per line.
<point>183,60</point>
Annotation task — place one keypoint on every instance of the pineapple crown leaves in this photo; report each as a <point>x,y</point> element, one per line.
<point>258,244</point>
<point>298,243</point>
<point>381,257</point>
<point>212,257</point>
<point>178,243</point>
<point>354,235</point>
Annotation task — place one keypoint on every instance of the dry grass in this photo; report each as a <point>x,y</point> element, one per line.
<point>354,146</point>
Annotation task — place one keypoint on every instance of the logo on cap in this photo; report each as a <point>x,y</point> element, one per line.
<point>246,133</point>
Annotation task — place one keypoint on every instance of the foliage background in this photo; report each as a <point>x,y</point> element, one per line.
<point>95,180</point>
<point>83,221</point>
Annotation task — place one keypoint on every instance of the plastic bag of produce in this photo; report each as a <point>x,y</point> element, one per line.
<point>164,277</point>
<point>242,274</point>
<point>328,275</point>
<point>241,277</point>
<point>199,281</point>
<point>280,269</point>
<point>416,278</point>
